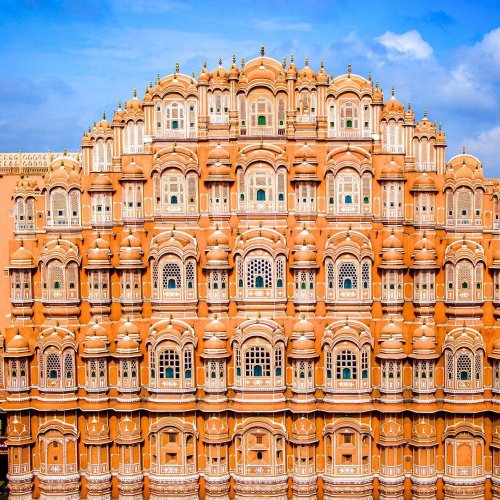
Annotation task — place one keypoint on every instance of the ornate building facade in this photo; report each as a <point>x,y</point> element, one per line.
<point>263,283</point>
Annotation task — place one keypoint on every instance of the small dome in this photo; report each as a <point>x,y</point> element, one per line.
<point>306,74</point>
<point>217,254</point>
<point>128,328</point>
<point>304,254</point>
<point>95,345</point>
<point>101,181</point>
<point>127,345</point>
<point>218,153</point>
<point>132,169</point>
<point>424,181</point>
<point>392,241</point>
<point>391,347</point>
<point>219,169</point>
<point>261,73</point>
<point>391,430</point>
<point>424,344</point>
<point>219,74</point>
<point>21,255</point>
<point>304,428</point>
<point>391,329</point>
<point>303,343</point>
<point>216,427</point>
<point>464,173</point>
<point>424,330</point>
<point>215,343</point>
<point>216,326</point>
<point>96,329</point>
<point>304,238</point>
<point>394,105</point>
<point>423,431</point>
<point>392,255</point>
<point>303,326</point>
<point>305,152</point>
<point>217,238</point>
<point>305,168</point>
<point>17,344</point>
<point>393,169</point>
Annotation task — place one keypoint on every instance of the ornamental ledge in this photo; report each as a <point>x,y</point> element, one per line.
<point>260,480</point>
<point>173,480</point>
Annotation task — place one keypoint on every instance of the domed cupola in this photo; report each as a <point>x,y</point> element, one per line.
<point>392,253</point>
<point>131,251</point>
<point>99,254</point>
<point>424,254</point>
<point>219,165</point>
<point>306,75</point>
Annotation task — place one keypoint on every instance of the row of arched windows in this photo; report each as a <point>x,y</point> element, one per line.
<point>258,364</point>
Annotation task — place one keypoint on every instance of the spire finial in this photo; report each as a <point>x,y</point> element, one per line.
<point>177,67</point>
<point>376,85</point>
<point>307,61</point>
<point>158,78</point>
<point>425,113</point>
<point>242,62</point>
<point>150,84</point>
<point>135,92</point>
<point>283,62</point>
<point>220,61</point>
<point>119,104</point>
<point>262,50</point>
<point>205,64</point>
<point>349,69</point>
<point>322,64</point>
<point>234,58</point>
<point>392,91</point>
<point>463,150</point>
<point>291,58</point>
<point>409,105</point>
<point>369,76</point>
<point>104,115</point>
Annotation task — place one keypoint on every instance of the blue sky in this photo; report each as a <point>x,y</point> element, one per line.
<point>64,62</point>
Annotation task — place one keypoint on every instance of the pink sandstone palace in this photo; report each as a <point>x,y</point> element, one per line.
<point>263,283</point>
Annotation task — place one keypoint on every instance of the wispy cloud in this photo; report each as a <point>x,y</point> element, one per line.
<point>485,146</point>
<point>143,6</point>
<point>281,25</point>
<point>409,45</point>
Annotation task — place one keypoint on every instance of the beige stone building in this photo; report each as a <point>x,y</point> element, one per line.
<point>263,283</point>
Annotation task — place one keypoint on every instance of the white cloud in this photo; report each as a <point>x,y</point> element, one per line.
<point>409,45</point>
<point>485,147</point>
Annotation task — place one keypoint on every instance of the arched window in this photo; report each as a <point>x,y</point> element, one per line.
<point>102,155</point>
<point>348,193</point>
<point>257,362</point>
<point>261,117</point>
<point>176,193</point>
<point>353,280</point>
<point>347,366</point>
<point>57,369</point>
<point>464,367</point>
<point>347,452</point>
<point>170,366</point>
<point>134,137</point>
<point>173,279</point>
<point>260,452</point>
<point>464,455</point>
<point>349,119</point>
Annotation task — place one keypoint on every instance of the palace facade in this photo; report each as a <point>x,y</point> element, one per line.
<point>263,283</point>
